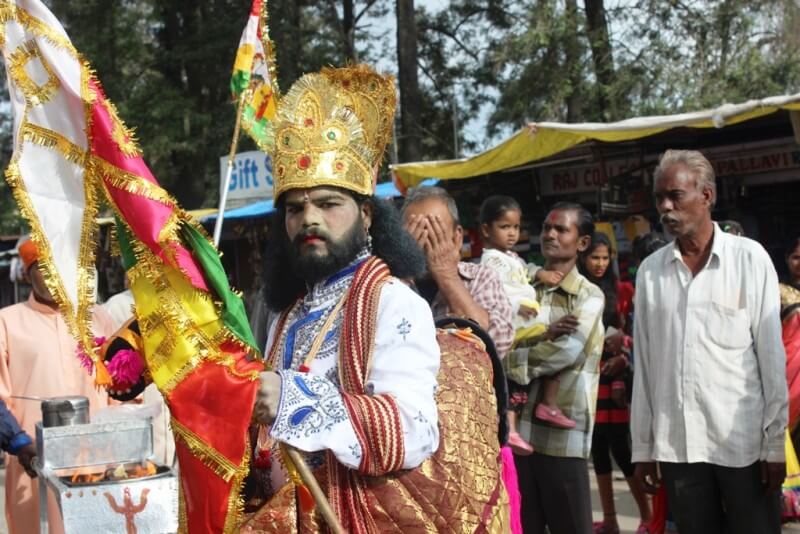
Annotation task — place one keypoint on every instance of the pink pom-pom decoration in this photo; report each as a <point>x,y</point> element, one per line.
<point>83,356</point>
<point>126,368</point>
<point>85,359</point>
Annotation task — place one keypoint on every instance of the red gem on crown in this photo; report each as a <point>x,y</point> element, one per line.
<point>304,162</point>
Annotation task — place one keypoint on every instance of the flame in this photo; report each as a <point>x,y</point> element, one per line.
<point>144,469</point>
<point>114,472</point>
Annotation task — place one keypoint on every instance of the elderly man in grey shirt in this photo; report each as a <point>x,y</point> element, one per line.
<point>709,396</point>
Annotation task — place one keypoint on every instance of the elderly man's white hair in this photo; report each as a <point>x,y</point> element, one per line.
<point>695,162</point>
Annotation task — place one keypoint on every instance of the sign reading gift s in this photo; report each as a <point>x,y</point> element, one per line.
<point>251,177</point>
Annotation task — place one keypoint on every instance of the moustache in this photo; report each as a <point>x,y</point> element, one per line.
<point>300,237</point>
<point>669,219</point>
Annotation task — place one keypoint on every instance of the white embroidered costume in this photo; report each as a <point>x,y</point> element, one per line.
<point>311,414</point>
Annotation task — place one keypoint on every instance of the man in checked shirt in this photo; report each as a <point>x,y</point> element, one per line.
<point>709,395</point>
<point>554,480</point>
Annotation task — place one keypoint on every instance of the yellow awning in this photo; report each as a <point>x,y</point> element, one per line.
<point>554,137</point>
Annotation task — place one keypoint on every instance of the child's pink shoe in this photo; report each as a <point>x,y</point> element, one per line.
<point>519,445</point>
<point>598,527</point>
<point>553,416</point>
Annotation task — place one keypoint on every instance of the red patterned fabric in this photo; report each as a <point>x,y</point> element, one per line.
<point>375,418</point>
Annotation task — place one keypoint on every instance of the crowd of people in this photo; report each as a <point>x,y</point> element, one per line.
<point>681,377</point>
<point>685,384</point>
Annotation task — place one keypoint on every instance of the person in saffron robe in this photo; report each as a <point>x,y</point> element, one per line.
<point>38,359</point>
<point>355,357</point>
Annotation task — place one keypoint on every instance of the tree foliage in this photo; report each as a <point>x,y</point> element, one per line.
<point>483,66</point>
<point>653,56</point>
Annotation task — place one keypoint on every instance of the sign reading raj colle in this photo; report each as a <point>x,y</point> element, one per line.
<point>251,177</point>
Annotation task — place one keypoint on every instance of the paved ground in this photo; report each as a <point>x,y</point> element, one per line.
<point>628,514</point>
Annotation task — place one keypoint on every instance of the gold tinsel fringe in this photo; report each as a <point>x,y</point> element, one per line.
<point>11,12</point>
<point>209,456</point>
<point>235,501</point>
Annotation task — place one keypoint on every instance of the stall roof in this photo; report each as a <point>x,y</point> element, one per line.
<point>265,207</point>
<point>550,138</point>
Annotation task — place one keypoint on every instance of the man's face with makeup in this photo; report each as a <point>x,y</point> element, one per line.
<point>326,228</point>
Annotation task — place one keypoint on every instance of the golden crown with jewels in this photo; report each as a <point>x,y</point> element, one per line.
<point>332,129</point>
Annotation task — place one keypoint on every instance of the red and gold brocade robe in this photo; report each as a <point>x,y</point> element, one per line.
<point>404,471</point>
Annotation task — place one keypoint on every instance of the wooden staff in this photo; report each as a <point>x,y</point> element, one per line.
<point>319,496</point>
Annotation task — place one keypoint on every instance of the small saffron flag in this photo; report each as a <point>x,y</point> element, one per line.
<point>254,81</point>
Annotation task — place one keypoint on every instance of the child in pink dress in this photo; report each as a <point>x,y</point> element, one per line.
<point>500,223</point>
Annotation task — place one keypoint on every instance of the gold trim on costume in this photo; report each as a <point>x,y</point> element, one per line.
<point>789,295</point>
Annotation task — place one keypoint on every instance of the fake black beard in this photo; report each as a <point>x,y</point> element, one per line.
<point>313,268</point>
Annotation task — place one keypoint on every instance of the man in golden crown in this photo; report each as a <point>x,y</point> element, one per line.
<point>358,381</point>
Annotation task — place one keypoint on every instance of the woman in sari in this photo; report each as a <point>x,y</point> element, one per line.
<point>790,319</point>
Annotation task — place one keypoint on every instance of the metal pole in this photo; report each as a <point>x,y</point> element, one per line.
<point>43,526</point>
<point>223,197</point>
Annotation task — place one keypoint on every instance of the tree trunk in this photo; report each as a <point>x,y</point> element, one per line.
<point>349,30</point>
<point>409,139</point>
<point>287,34</point>
<point>573,63</point>
<point>597,31</point>
<point>727,14</point>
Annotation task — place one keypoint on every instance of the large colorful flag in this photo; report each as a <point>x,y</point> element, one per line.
<point>254,81</point>
<point>71,150</point>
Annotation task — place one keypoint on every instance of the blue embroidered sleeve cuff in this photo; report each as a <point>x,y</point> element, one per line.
<point>312,417</point>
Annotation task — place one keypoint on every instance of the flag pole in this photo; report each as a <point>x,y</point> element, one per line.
<point>223,196</point>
